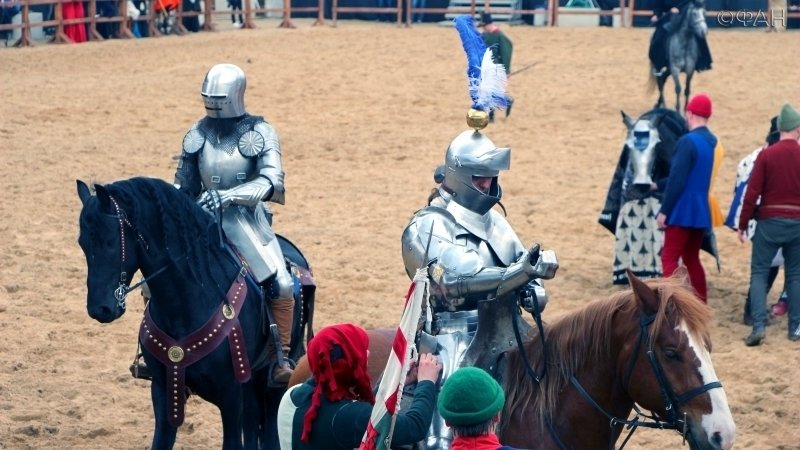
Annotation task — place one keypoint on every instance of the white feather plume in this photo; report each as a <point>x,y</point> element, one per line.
<point>492,86</point>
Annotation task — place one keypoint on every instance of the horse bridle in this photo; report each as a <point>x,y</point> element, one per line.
<point>670,398</point>
<point>123,289</point>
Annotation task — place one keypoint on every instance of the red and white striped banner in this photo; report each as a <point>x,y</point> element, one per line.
<point>381,423</point>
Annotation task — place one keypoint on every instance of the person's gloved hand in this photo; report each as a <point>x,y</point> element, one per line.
<point>540,264</point>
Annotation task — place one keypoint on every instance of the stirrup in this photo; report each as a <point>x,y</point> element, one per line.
<point>659,72</point>
<point>139,369</point>
<point>271,382</point>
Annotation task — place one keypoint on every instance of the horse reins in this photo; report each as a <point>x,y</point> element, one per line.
<point>123,289</point>
<point>671,400</point>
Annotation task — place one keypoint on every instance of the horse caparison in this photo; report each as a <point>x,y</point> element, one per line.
<point>649,345</point>
<point>147,225</point>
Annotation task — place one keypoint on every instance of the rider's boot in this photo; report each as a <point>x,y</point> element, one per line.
<point>283,312</point>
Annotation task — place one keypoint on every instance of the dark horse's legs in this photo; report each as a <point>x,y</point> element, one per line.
<point>676,79</point>
<point>661,80</point>
<point>164,434</point>
<point>687,91</point>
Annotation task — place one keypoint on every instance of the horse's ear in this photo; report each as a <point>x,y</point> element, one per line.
<point>643,293</point>
<point>627,120</point>
<point>104,197</point>
<point>682,275</point>
<point>83,191</point>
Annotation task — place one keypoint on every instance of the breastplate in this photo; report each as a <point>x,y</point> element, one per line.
<point>222,166</point>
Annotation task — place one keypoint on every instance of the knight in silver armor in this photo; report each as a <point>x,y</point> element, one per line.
<point>231,162</point>
<point>480,272</point>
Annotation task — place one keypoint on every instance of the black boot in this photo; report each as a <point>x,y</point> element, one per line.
<point>755,337</point>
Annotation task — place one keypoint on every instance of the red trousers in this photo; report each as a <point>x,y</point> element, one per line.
<point>684,244</point>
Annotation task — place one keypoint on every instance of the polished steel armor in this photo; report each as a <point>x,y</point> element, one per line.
<point>642,141</point>
<point>480,272</point>
<point>235,164</point>
<point>223,92</point>
<point>472,154</point>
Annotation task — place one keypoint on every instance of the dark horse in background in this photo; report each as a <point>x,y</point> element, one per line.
<point>648,346</point>
<point>205,326</point>
<point>632,202</point>
<point>683,39</point>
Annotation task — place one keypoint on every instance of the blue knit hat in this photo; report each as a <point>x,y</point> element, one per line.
<point>470,396</point>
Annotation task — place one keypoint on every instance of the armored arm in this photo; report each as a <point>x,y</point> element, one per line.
<point>187,175</point>
<point>270,164</point>
<point>460,273</point>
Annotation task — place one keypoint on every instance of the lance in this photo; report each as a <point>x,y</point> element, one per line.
<point>523,68</point>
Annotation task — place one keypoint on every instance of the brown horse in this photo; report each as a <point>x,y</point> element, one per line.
<point>648,346</point>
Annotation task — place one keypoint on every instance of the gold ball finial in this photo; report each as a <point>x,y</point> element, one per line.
<point>477,119</point>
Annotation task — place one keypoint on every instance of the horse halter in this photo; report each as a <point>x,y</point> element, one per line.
<point>123,289</point>
<point>671,400</point>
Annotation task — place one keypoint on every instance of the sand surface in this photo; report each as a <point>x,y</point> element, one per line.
<point>364,112</point>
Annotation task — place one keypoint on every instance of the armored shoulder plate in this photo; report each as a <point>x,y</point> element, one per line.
<point>271,141</point>
<point>251,143</point>
<point>194,140</point>
<point>429,233</point>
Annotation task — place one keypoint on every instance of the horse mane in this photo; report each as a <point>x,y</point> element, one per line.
<point>187,231</point>
<point>584,336</point>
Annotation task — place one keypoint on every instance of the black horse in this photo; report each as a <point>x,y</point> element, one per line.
<point>682,40</point>
<point>202,296</point>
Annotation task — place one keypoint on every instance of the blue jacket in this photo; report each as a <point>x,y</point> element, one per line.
<point>686,198</point>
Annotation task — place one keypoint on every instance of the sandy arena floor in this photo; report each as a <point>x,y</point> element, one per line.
<point>364,112</point>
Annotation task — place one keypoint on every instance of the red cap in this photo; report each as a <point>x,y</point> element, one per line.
<point>700,105</point>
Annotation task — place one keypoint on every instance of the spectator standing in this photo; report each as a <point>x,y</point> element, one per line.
<point>775,180</point>
<point>236,5</point>
<point>470,403</point>
<point>689,207</point>
<point>743,171</point>
<point>75,32</point>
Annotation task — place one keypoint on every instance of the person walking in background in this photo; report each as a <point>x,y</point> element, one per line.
<point>470,403</point>
<point>502,49</point>
<point>775,180</point>
<point>743,171</point>
<point>332,409</point>
<point>689,206</point>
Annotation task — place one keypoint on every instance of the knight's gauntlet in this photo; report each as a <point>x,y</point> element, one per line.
<point>544,267</point>
<point>248,194</point>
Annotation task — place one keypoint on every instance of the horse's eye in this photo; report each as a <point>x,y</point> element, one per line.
<point>671,353</point>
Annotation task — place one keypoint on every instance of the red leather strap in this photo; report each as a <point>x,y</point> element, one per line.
<point>178,355</point>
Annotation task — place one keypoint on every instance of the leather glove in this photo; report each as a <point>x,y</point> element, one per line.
<point>540,264</point>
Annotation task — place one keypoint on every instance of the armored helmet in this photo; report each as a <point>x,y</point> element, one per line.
<point>472,154</point>
<point>223,91</point>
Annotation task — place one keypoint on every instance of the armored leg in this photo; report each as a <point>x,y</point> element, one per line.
<point>282,311</point>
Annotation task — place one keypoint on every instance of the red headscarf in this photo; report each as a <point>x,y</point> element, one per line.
<point>337,356</point>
